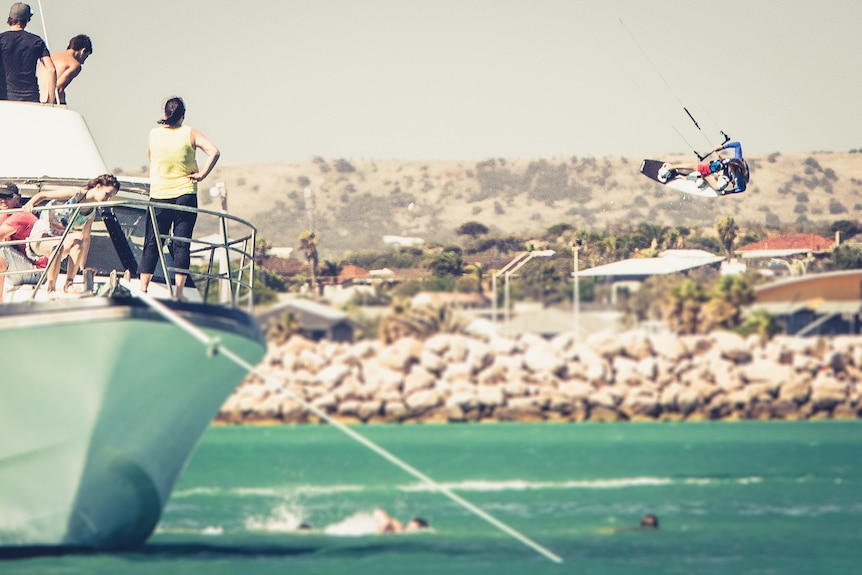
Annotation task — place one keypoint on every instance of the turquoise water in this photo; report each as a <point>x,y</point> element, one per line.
<point>742,498</point>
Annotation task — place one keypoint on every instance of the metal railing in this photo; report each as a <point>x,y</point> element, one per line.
<point>222,267</point>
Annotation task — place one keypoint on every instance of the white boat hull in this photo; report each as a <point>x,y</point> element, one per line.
<point>101,405</point>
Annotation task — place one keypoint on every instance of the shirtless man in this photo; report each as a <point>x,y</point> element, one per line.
<point>69,63</point>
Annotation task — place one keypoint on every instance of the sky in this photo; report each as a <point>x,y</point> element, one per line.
<point>289,80</point>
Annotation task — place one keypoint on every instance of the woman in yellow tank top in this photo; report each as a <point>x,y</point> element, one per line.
<point>174,177</point>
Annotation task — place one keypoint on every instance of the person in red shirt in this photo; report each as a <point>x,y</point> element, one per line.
<point>16,227</point>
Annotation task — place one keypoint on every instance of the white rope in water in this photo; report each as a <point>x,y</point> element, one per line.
<point>214,346</point>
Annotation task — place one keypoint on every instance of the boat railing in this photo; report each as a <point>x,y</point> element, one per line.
<point>222,268</point>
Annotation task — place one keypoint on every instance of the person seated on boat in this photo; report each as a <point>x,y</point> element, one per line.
<point>16,227</point>
<point>20,54</point>
<point>388,524</point>
<point>53,223</point>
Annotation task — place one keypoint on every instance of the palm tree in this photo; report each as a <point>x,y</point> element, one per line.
<point>683,306</point>
<point>308,244</point>
<point>280,330</point>
<point>421,322</point>
<point>727,229</point>
<point>261,252</point>
<point>331,269</point>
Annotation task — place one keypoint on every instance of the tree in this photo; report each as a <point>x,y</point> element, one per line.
<point>308,244</point>
<point>846,257</point>
<point>683,306</point>
<point>261,251</point>
<point>421,322</point>
<point>727,229</point>
<point>557,230</point>
<point>472,229</point>
<point>446,263</point>
<point>847,228</point>
<point>280,329</point>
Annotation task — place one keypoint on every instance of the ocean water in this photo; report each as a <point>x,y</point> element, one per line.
<point>741,498</point>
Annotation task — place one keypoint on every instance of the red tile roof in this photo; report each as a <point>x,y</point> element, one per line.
<point>352,272</point>
<point>811,242</point>
<point>284,266</point>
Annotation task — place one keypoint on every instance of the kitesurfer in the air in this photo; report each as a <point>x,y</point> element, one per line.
<point>724,175</point>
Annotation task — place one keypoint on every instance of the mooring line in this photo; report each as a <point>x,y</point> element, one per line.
<point>214,347</point>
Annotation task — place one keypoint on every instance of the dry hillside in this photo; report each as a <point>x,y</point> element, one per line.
<point>360,201</point>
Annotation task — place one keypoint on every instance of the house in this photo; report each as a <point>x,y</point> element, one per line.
<point>460,300</point>
<point>815,304</point>
<point>788,245</point>
<point>630,273</point>
<point>316,321</point>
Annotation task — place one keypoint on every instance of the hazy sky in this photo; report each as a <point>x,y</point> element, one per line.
<point>287,80</point>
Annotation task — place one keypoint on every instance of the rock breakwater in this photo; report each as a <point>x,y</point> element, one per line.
<point>605,377</point>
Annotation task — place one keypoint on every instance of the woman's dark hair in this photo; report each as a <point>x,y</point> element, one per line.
<point>108,180</point>
<point>175,109</point>
<point>738,169</point>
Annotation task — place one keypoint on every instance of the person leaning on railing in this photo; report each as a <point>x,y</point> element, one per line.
<point>52,224</point>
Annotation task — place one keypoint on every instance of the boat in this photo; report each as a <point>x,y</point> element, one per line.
<point>103,396</point>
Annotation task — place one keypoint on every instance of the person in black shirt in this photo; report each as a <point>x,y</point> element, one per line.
<point>20,53</point>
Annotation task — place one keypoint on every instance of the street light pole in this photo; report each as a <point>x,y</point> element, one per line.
<point>576,291</point>
<point>220,191</point>
<point>494,277</point>
<point>514,266</point>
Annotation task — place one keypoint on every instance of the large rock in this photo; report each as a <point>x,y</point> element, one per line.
<point>594,368</point>
<point>457,372</point>
<point>369,409</point>
<point>418,378</point>
<point>640,403</point>
<point>827,392</point>
<point>602,413</point>
<point>423,400</point>
<point>432,362</point>
<point>575,389</point>
<point>489,395</point>
<point>400,354</point>
<point>606,343</point>
<point>636,344</point>
<point>395,411</point>
<point>479,356</point>
<point>668,346</point>
<point>374,373</point>
<point>331,376</point>
<point>540,356</point>
<point>731,346</point>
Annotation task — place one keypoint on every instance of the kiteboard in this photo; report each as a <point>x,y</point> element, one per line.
<point>681,183</point>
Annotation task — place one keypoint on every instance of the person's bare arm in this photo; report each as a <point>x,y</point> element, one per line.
<point>40,197</point>
<point>64,80</point>
<point>202,143</point>
<point>50,77</point>
<point>6,232</point>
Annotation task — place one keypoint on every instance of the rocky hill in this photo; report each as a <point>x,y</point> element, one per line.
<point>357,202</point>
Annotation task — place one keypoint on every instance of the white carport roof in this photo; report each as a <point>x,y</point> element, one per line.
<point>667,262</point>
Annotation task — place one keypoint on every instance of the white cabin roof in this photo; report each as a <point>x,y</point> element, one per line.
<point>46,141</point>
